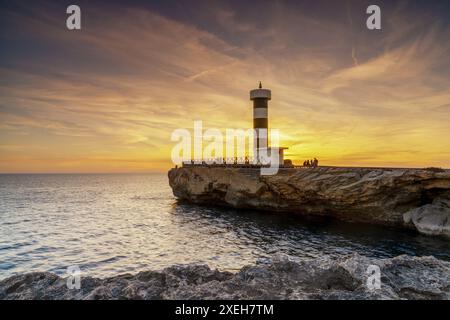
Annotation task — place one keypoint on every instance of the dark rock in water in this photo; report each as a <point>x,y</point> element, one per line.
<point>403,277</point>
<point>411,198</point>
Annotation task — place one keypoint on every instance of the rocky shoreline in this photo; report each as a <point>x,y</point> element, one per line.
<point>409,198</point>
<point>402,277</point>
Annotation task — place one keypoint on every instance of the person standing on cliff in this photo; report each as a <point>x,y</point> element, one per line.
<point>316,163</point>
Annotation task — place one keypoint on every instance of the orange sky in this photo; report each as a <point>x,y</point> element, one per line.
<point>107,98</point>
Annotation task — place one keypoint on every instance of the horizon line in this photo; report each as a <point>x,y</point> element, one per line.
<point>164,171</point>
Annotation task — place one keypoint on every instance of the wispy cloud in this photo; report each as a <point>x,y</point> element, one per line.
<point>117,89</point>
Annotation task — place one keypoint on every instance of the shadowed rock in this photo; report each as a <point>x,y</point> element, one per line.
<point>403,277</point>
<point>410,198</point>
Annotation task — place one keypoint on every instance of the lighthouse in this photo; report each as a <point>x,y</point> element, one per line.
<point>260,98</point>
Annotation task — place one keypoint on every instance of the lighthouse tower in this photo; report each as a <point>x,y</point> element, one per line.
<point>260,98</point>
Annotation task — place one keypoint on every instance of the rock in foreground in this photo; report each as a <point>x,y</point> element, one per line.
<point>403,277</point>
<point>411,198</point>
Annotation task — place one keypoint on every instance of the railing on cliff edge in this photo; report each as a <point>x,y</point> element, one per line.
<point>232,163</point>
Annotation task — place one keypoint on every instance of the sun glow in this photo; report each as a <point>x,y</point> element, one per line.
<point>107,98</point>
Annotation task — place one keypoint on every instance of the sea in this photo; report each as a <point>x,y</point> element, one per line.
<point>110,224</point>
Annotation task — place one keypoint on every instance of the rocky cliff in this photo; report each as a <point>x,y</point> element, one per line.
<point>403,277</point>
<point>411,198</point>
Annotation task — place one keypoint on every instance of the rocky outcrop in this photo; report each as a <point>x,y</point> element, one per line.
<point>349,277</point>
<point>431,219</point>
<point>411,198</point>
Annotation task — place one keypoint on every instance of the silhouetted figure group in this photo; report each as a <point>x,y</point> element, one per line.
<point>311,163</point>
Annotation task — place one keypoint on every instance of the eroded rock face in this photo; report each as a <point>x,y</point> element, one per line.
<point>410,198</point>
<point>403,277</point>
<point>431,219</point>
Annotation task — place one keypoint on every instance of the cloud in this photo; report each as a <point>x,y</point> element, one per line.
<point>118,88</point>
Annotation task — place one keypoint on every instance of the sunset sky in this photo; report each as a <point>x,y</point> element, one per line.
<point>106,98</point>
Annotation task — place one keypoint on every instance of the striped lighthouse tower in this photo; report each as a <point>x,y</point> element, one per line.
<point>260,98</point>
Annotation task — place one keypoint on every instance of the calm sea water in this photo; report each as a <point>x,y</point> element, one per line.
<point>116,223</point>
